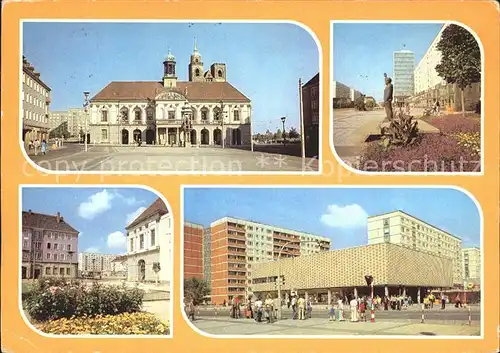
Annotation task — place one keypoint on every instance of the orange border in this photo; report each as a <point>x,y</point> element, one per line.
<point>482,17</point>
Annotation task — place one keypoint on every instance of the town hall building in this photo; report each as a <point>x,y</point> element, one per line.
<point>205,110</point>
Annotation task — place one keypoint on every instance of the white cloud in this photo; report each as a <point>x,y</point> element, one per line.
<point>133,215</point>
<point>93,249</point>
<point>130,201</point>
<point>117,240</point>
<point>96,204</point>
<point>348,216</point>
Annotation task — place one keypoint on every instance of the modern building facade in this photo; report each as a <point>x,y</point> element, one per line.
<point>97,264</point>
<point>237,245</point>
<point>337,273</point>
<point>403,80</point>
<point>72,120</point>
<point>311,111</point>
<point>207,255</point>
<point>429,86</point>
<point>410,232</point>
<point>49,246</point>
<point>35,97</point>
<point>149,245</point>
<point>472,266</point>
<point>193,250</point>
<point>205,110</point>
<point>343,95</point>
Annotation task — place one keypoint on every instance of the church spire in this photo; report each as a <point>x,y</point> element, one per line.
<point>195,46</point>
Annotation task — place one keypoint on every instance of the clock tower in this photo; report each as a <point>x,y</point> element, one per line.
<point>169,75</point>
<point>196,66</point>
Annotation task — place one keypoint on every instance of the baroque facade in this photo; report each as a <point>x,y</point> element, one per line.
<point>49,246</point>
<point>205,110</point>
<point>35,102</point>
<point>149,245</point>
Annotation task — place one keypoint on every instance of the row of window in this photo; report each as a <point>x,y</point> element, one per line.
<point>28,98</point>
<point>29,115</point>
<point>141,240</point>
<point>35,85</point>
<point>57,271</point>
<point>58,257</point>
<point>171,115</point>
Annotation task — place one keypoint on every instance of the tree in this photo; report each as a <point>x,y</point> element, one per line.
<point>359,103</point>
<point>460,58</point>
<point>278,135</point>
<point>196,289</point>
<point>293,134</point>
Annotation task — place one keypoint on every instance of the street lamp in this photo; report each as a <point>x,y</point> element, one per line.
<point>86,106</point>
<point>278,281</point>
<point>221,117</point>
<point>283,118</point>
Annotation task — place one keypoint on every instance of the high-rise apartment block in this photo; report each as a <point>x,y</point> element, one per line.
<point>97,264</point>
<point>403,81</point>
<point>405,230</point>
<point>238,244</point>
<point>472,266</point>
<point>193,250</point>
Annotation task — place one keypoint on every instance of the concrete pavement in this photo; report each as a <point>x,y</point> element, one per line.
<point>168,159</point>
<point>324,327</point>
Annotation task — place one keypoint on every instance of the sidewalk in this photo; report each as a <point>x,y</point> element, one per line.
<point>49,149</point>
<point>315,326</point>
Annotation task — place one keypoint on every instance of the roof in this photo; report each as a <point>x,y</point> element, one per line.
<point>196,91</point>
<point>313,81</point>
<point>156,208</point>
<point>44,221</point>
<point>30,70</point>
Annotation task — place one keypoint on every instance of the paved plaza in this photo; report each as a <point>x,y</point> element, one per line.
<point>449,322</point>
<point>352,128</point>
<point>170,159</point>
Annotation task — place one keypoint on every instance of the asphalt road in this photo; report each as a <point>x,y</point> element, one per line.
<point>413,314</point>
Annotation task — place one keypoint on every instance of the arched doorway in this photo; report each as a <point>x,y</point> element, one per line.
<point>205,137</point>
<point>125,136</point>
<point>24,272</point>
<point>192,137</point>
<point>137,135</point>
<point>236,137</point>
<point>217,137</point>
<point>141,270</point>
<point>150,136</point>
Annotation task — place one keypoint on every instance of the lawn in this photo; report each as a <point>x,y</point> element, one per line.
<point>457,148</point>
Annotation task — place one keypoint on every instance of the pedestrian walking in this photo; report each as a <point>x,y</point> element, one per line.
<point>340,309</point>
<point>301,303</point>
<point>44,147</point>
<point>269,311</point>
<point>276,305</point>
<point>332,312</point>
<point>294,308</point>
<point>354,310</point>
<point>443,301</point>
<point>362,310</point>
<point>309,309</point>
<point>37,145</point>
<point>190,309</point>
<point>258,308</point>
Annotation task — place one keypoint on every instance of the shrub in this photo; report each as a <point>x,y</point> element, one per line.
<point>139,323</point>
<point>434,153</point>
<point>470,141</point>
<point>454,123</point>
<point>73,298</point>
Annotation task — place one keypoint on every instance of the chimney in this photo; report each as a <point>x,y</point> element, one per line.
<point>58,217</point>
<point>29,211</point>
<point>62,219</point>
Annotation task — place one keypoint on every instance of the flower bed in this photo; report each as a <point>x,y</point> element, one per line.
<point>55,299</point>
<point>140,323</point>
<point>457,148</point>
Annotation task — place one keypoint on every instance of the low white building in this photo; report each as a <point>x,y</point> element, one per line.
<point>149,245</point>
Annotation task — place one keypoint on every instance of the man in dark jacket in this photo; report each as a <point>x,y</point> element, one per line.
<point>388,91</point>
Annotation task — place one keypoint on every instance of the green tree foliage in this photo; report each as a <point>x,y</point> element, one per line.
<point>359,103</point>
<point>196,289</point>
<point>461,58</point>
<point>293,134</point>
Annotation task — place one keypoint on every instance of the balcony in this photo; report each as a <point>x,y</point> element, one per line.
<point>286,237</point>
<point>236,227</point>
<point>231,234</point>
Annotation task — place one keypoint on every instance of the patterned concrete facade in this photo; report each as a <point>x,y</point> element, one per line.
<point>389,264</point>
<point>410,232</point>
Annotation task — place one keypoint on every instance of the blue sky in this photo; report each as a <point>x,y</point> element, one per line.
<point>366,49</point>
<point>99,214</point>
<point>339,214</point>
<point>264,61</point>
